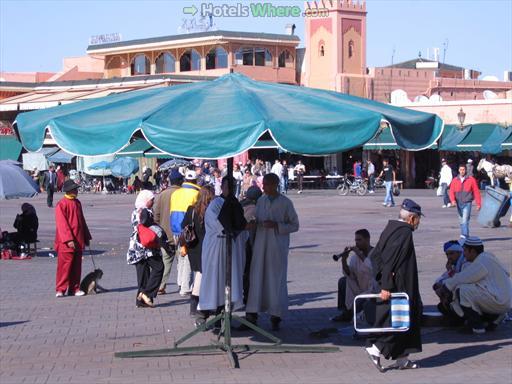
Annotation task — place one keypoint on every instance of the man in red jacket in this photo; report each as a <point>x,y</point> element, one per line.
<point>463,190</point>
<point>71,237</point>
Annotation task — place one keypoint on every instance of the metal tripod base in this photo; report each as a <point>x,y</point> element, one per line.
<point>225,345</point>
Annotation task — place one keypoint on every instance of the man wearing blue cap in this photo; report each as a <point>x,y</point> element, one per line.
<point>454,264</point>
<point>482,291</point>
<point>395,270</point>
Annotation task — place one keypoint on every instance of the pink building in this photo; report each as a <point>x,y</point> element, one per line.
<point>262,56</point>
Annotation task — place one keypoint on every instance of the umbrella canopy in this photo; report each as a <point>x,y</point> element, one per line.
<point>100,165</point>
<point>224,117</point>
<point>494,143</point>
<point>124,167</point>
<point>14,182</point>
<point>174,163</point>
<point>483,137</point>
<point>10,148</point>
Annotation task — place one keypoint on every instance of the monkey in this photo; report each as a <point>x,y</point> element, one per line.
<point>90,282</point>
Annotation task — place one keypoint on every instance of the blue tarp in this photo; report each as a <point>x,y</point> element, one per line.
<point>60,157</point>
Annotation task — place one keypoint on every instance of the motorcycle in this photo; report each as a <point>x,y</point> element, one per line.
<point>357,185</point>
<point>431,182</point>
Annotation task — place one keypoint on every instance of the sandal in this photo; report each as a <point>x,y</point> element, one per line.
<point>407,365</point>
<point>143,297</point>
<point>376,362</point>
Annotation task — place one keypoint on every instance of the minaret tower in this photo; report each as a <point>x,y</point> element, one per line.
<point>335,40</point>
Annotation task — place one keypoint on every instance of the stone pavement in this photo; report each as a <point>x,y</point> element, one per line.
<point>73,340</point>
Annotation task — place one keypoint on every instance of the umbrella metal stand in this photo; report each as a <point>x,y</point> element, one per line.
<point>226,318</point>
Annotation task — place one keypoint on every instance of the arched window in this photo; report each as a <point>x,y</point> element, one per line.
<point>140,65</point>
<point>190,61</point>
<point>285,59</point>
<point>262,57</point>
<point>114,63</point>
<point>165,63</point>
<point>350,48</point>
<point>217,58</point>
<point>244,56</point>
<point>253,56</point>
<point>322,50</point>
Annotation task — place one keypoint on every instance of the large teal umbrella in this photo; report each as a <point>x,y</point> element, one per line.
<point>224,117</point>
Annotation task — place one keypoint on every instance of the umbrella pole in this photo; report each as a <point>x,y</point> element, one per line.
<point>226,317</point>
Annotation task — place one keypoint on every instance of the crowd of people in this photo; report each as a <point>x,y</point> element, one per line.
<point>197,209</point>
<point>196,224</point>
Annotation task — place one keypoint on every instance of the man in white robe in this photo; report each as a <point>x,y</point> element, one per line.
<point>213,258</point>
<point>275,219</point>
<point>358,275</point>
<point>482,290</point>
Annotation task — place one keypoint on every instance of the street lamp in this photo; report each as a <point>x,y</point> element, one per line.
<point>462,116</point>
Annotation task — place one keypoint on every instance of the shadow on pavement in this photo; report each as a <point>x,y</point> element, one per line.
<point>454,355</point>
<point>300,299</point>
<point>305,246</point>
<point>497,239</point>
<point>123,289</point>
<point>9,323</point>
<point>454,335</point>
<point>172,303</point>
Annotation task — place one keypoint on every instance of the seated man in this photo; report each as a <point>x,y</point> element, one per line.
<point>455,263</point>
<point>482,291</point>
<point>27,224</point>
<point>358,277</point>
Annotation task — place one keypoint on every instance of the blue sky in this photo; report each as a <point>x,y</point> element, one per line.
<point>37,35</point>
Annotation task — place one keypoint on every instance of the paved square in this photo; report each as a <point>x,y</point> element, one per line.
<point>73,340</point>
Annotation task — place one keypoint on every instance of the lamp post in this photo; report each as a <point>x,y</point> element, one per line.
<point>462,116</point>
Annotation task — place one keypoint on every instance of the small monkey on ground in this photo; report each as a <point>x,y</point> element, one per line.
<point>90,282</point>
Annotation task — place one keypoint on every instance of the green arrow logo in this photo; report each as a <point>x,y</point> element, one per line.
<point>190,10</point>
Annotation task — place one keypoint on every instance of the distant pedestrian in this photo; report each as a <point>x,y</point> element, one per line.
<point>277,169</point>
<point>60,178</point>
<point>357,169</point>
<point>469,168</point>
<point>238,176</point>
<point>370,170</point>
<point>299,170</point>
<point>389,181</point>
<point>50,184</point>
<point>71,237</point>
<point>463,190</point>
<point>445,178</point>
<point>285,177</point>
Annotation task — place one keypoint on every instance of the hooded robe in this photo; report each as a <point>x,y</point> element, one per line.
<point>395,270</point>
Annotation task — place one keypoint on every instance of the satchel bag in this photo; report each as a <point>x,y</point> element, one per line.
<point>147,237</point>
<point>188,237</point>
